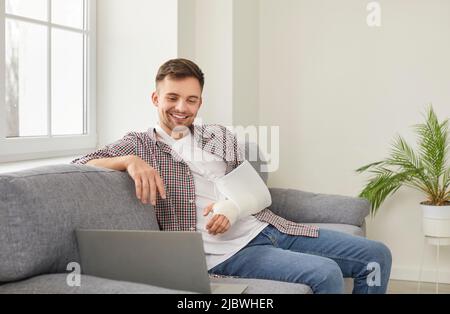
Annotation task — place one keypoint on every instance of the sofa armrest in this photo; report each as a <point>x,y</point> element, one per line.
<point>306,207</point>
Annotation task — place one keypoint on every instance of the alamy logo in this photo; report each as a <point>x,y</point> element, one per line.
<point>74,278</point>
<point>374,278</point>
<point>221,139</point>
<point>374,17</point>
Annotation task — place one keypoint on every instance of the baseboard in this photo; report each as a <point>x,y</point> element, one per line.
<point>412,274</point>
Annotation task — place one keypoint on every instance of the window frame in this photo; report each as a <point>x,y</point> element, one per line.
<point>28,148</point>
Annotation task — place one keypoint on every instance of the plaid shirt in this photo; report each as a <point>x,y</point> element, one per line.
<point>178,211</point>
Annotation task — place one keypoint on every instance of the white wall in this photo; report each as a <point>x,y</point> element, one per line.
<point>134,38</point>
<point>222,37</point>
<point>213,53</point>
<point>187,17</point>
<point>245,62</point>
<point>340,91</point>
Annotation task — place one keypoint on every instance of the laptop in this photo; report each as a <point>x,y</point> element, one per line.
<point>174,260</point>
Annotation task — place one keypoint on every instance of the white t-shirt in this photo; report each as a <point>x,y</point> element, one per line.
<point>206,168</point>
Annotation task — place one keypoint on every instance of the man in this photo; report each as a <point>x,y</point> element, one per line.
<point>183,193</point>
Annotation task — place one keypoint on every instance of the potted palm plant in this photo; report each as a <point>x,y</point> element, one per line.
<point>425,170</point>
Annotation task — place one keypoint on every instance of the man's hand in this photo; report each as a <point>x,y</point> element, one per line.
<point>218,224</point>
<point>146,179</point>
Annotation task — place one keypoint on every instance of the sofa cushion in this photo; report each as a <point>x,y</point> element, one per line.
<point>41,208</point>
<point>307,207</point>
<point>262,286</point>
<point>56,284</point>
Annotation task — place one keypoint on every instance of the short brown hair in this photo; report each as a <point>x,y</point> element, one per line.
<point>179,69</point>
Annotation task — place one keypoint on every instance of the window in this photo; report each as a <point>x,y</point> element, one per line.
<point>47,90</point>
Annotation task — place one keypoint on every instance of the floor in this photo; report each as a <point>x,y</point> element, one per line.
<point>410,287</point>
<point>406,287</point>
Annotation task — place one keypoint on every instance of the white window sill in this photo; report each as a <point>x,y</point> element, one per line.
<point>24,165</point>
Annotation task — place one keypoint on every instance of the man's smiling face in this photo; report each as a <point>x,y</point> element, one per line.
<point>178,102</point>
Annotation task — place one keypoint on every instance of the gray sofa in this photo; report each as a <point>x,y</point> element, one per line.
<point>41,208</point>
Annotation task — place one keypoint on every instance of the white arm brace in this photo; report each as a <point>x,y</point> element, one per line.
<point>246,193</point>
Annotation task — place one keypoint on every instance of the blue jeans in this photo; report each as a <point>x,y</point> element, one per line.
<point>321,263</point>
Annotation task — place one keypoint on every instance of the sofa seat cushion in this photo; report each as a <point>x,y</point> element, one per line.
<point>261,286</point>
<point>56,284</point>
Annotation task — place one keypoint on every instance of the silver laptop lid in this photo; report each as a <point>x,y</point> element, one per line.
<point>174,260</point>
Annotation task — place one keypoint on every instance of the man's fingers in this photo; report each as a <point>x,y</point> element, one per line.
<point>212,221</point>
<point>160,185</point>
<point>208,209</point>
<point>138,185</point>
<point>145,193</point>
<point>216,224</point>
<point>147,181</point>
<point>219,224</point>
<point>153,189</point>
<point>223,227</point>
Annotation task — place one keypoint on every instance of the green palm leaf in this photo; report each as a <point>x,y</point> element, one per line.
<point>426,170</point>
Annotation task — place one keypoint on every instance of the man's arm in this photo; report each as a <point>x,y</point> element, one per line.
<point>120,156</point>
<point>126,146</point>
<point>146,179</point>
<point>246,193</point>
<point>115,163</point>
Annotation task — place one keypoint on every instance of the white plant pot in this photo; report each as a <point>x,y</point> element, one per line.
<point>436,221</point>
